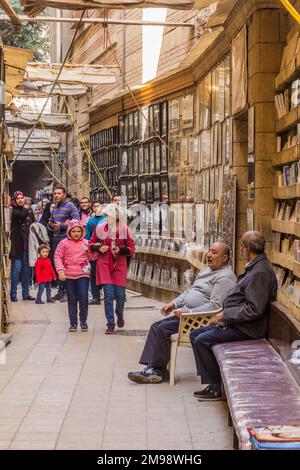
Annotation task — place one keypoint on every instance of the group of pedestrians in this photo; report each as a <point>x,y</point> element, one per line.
<point>77,244</point>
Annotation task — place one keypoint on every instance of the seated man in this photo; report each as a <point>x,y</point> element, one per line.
<point>207,294</point>
<point>244,316</point>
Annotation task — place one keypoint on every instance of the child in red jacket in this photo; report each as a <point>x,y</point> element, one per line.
<point>44,274</point>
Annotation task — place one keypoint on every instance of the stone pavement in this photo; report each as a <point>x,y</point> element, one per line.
<point>70,391</point>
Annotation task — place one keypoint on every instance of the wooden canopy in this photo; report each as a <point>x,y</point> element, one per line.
<point>34,7</point>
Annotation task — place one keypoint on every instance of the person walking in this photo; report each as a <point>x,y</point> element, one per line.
<point>63,211</point>
<point>72,264</point>
<point>22,218</point>
<point>44,274</point>
<point>85,210</point>
<point>91,225</point>
<point>113,242</point>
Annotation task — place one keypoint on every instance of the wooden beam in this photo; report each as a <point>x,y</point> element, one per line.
<point>54,19</point>
<point>10,13</point>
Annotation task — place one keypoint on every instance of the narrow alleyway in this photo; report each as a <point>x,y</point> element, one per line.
<point>70,391</point>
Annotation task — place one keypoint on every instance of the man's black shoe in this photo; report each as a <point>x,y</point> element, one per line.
<point>146,376</point>
<point>57,297</point>
<point>210,393</point>
<point>29,298</point>
<point>94,302</point>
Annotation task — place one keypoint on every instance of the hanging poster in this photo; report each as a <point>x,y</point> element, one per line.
<point>174,115</point>
<point>188,111</point>
<point>239,55</point>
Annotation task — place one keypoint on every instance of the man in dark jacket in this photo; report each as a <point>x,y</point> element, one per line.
<point>244,315</point>
<point>63,211</point>
<point>21,219</point>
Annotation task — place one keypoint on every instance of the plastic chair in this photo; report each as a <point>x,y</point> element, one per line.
<point>188,323</point>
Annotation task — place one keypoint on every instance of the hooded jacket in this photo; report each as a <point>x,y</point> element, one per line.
<point>21,220</point>
<point>37,235</point>
<point>71,256</point>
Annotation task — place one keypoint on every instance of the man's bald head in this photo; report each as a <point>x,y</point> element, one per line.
<point>254,241</point>
<point>218,255</point>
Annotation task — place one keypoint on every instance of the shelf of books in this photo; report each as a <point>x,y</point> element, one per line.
<point>286,161</point>
<point>166,266</point>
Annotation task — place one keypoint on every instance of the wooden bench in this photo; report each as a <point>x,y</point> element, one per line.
<point>259,388</point>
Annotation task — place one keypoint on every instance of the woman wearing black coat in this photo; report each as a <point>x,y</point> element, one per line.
<point>21,219</point>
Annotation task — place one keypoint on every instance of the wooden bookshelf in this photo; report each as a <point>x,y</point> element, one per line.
<point>171,255</point>
<point>288,121</point>
<point>286,262</point>
<point>163,294</point>
<point>287,75</point>
<point>292,308</point>
<point>284,226</point>
<point>287,192</point>
<point>286,156</point>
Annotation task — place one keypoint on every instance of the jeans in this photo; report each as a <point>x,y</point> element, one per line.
<point>78,292</point>
<point>20,270</point>
<point>61,284</point>
<point>95,289</point>
<point>111,293</point>
<point>42,287</point>
<point>202,341</point>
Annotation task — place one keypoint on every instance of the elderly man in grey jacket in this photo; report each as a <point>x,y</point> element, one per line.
<point>206,294</point>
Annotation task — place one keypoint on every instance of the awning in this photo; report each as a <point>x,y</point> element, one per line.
<point>34,7</point>
<point>72,74</point>
<point>57,122</point>
<point>15,60</point>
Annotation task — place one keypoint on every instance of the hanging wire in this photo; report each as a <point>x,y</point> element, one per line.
<point>141,111</point>
<point>52,88</point>
<point>86,148</point>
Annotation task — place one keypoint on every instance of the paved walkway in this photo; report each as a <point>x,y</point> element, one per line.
<point>70,391</point>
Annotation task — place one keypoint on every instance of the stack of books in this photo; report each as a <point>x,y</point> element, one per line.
<point>281,437</point>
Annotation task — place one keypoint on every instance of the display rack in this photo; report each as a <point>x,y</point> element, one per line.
<point>286,193</point>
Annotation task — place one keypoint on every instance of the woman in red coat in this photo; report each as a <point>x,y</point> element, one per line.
<point>114,243</point>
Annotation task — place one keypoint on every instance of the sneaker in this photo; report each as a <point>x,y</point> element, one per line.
<point>57,297</point>
<point>64,298</point>
<point>50,301</point>
<point>39,302</point>
<point>14,300</point>
<point>73,328</point>
<point>84,326</point>
<point>94,302</point>
<point>210,393</point>
<point>110,330</point>
<point>146,376</point>
<point>29,298</point>
<point>120,322</point>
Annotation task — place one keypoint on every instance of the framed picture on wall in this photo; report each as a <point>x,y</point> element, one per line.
<point>188,111</point>
<point>156,189</point>
<point>124,161</point>
<point>173,188</point>
<point>164,158</point>
<point>149,189</point>
<point>156,118</point>
<point>126,129</point>
<point>130,127</point>
<point>181,188</point>
<point>164,118</point>
<point>157,156</point>
<point>146,159</point>
<point>130,160</point>
<point>142,190</point>
<point>135,188</point>
<point>136,125</point>
<point>136,160</point>
<point>164,188</point>
<point>174,115</point>
<point>189,188</point>
<point>141,159</point>
<point>152,158</point>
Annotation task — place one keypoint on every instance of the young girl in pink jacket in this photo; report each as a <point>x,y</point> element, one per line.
<point>113,242</point>
<point>72,265</point>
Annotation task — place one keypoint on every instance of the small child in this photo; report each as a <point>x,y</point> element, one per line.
<point>44,274</point>
<point>72,264</point>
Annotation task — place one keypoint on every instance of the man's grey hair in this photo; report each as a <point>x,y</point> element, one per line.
<point>255,241</point>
